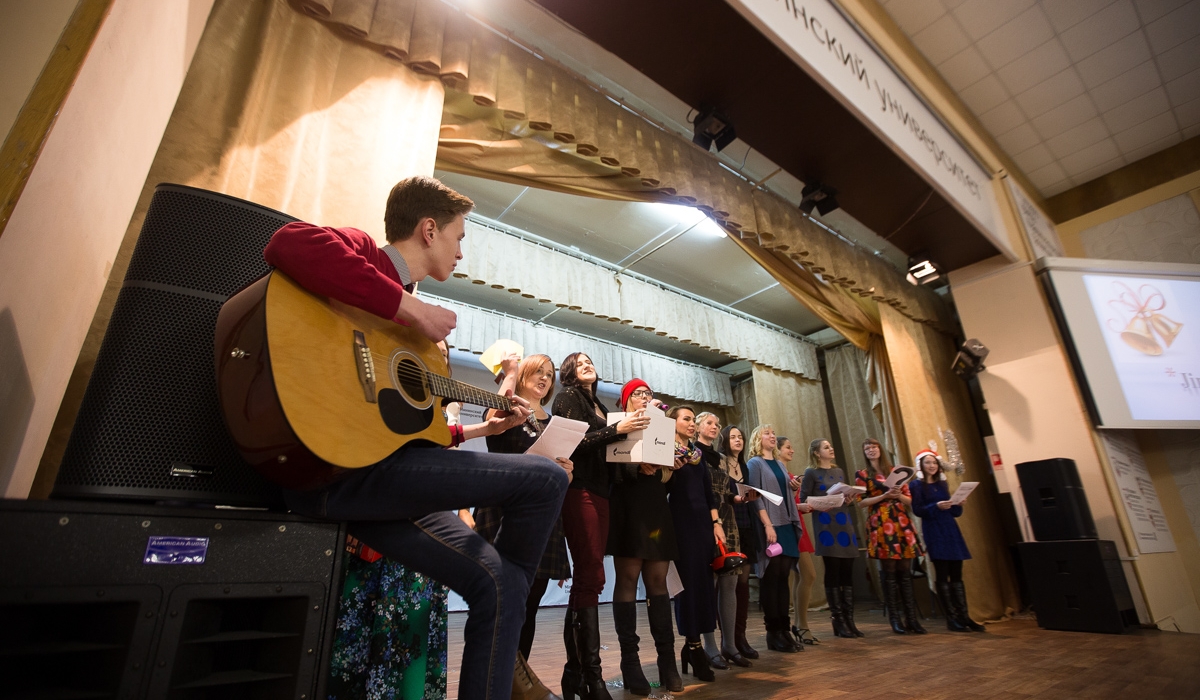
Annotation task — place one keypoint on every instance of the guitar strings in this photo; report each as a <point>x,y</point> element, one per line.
<point>427,378</point>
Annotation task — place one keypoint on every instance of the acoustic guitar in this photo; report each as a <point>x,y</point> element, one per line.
<point>310,386</point>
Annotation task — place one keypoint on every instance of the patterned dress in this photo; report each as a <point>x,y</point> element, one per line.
<point>833,528</point>
<point>390,638</point>
<point>724,490</point>
<point>889,524</point>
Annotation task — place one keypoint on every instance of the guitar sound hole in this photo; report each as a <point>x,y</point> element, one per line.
<point>409,374</point>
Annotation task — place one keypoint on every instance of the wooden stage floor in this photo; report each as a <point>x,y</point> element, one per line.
<point>1013,659</point>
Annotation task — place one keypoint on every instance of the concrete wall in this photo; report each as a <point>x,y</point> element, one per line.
<point>58,248</point>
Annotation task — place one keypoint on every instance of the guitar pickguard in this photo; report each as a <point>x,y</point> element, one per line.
<point>400,416</point>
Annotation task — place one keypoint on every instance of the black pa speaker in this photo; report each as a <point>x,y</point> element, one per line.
<point>125,601</point>
<point>150,427</point>
<point>1078,585</point>
<point>1055,501</point>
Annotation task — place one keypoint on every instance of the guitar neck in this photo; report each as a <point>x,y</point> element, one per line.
<point>458,391</point>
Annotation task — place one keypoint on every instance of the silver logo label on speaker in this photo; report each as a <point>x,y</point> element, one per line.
<point>179,469</point>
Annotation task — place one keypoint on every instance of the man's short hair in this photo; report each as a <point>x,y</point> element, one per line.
<point>417,198</point>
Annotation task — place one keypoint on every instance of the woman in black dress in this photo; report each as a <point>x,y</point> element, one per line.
<point>641,540</point>
<point>534,382</point>
<point>733,463</point>
<point>697,529</point>
<point>585,522</point>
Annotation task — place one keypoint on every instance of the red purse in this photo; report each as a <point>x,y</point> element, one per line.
<point>726,560</point>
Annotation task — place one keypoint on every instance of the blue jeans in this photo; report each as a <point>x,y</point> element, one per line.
<point>403,507</point>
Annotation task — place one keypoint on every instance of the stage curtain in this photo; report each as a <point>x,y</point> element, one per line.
<point>793,404</point>
<point>933,398</point>
<point>745,407</point>
<point>279,110</point>
<point>846,368</point>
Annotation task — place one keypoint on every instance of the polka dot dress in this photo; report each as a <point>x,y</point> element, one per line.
<point>834,529</point>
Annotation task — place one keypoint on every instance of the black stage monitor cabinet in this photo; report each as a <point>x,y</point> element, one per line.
<point>150,427</point>
<point>1078,585</point>
<point>86,613</point>
<point>1055,500</point>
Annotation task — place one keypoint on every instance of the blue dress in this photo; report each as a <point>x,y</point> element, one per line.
<point>943,540</point>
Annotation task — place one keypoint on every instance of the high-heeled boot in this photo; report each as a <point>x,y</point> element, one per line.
<point>658,609</point>
<point>891,600</point>
<point>911,617</point>
<point>833,596</point>
<point>959,591</point>
<point>572,676</point>
<point>950,606</point>
<point>526,684</point>
<point>848,610</point>
<point>587,641</point>
<point>625,621</point>
<point>693,654</point>
<point>743,611</point>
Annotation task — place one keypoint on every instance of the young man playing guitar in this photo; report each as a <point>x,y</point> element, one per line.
<point>404,506</point>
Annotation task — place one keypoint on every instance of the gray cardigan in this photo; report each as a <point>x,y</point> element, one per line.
<point>762,477</point>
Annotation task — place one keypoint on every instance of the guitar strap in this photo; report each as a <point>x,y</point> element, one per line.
<point>401,267</point>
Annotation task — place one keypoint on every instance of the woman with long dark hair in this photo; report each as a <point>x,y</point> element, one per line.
<point>532,380</point>
<point>780,525</point>
<point>893,539</point>
<point>585,522</point>
<point>641,540</point>
<point>733,464</point>
<point>836,544</point>
<point>944,541</point>
<point>697,529</point>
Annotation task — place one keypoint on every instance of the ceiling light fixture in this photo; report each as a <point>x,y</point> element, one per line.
<point>712,128</point>
<point>922,270</point>
<point>817,196</point>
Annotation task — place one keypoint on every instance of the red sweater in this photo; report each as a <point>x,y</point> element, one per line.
<point>340,263</point>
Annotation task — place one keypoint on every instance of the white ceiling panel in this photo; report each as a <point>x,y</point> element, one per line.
<point>1097,84</point>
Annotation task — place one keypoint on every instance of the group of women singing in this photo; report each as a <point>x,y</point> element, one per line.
<point>648,516</point>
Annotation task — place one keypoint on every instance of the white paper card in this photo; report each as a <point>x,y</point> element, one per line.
<point>744,489</point>
<point>674,583</point>
<point>899,477</point>
<point>964,489</point>
<point>826,502</point>
<point>844,489</point>
<point>559,439</point>
<point>654,445</point>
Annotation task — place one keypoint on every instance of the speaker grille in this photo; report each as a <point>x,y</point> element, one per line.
<point>150,426</point>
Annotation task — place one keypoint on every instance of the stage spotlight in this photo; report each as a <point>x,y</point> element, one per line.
<point>969,360</point>
<point>711,128</point>
<point>922,270</point>
<point>819,197</point>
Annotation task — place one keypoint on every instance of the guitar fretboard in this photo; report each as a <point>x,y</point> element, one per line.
<point>458,391</point>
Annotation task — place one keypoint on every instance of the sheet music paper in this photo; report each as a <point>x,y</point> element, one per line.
<point>844,489</point>
<point>964,489</point>
<point>559,439</point>
<point>744,489</point>
<point>826,502</point>
<point>674,583</point>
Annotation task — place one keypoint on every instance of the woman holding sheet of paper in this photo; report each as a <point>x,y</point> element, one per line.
<point>893,539</point>
<point>943,540</point>
<point>585,520</point>
<point>733,464</point>
<point>641,540</point>
<point>833,525</point>
<point>780,527</point>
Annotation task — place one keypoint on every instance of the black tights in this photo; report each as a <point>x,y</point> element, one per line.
<point>773,591</point>
<point>653,573</point>
<point>895,566</point>
<point>947,570</point>
<point>537,589</point>
<point>839,571</point>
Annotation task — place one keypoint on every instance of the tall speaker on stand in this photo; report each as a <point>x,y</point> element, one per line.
<point>150,427</point>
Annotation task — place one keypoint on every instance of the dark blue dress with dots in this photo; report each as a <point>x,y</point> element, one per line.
<point>834,529</point>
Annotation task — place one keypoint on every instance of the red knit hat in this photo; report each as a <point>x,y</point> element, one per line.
<point>631,386</point>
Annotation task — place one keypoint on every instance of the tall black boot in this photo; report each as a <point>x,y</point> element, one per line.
<point>572,677</point>
<point>625,620</point>
<point>848,610</point>
<point>959,591</point>
<point>891,599</point>
<point>833,596</point>
<point>587,641</point>
<point>911,621</point>
<point>743,612</point>
<point>658,609</point>
<point>950,606</point>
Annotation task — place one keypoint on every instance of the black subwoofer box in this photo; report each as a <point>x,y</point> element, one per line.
<point>1077,585</point>
<point>1055,500</point>
<point>150,427</point>
<point>101,600</point>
